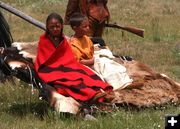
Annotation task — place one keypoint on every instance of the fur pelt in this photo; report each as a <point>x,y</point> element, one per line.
<point>149,88</point>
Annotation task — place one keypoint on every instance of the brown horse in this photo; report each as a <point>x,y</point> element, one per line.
<point>96,11</point>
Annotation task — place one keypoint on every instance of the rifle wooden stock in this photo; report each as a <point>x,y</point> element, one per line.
<point>134,30</point>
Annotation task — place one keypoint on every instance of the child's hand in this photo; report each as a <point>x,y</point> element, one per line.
<point>88,62</point>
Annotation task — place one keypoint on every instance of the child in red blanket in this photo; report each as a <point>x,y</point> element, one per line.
<point>56,65</point>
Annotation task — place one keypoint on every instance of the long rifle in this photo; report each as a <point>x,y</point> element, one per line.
<point>22,15</point>
<point>134,30</point>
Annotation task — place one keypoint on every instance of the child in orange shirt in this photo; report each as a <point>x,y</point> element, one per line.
<point>110,71</point>
<point>81,44</point>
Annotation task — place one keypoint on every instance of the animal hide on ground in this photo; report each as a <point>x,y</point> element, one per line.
<point>149,88</point>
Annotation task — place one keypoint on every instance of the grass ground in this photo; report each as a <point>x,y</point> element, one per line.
<point>160,49</point>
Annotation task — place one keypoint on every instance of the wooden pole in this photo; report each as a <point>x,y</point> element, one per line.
<point>22,15</point>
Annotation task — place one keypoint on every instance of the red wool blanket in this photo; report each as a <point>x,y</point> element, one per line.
<point>58,67</point>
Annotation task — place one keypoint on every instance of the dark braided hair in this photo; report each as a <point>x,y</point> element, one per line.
<point>76,19</point>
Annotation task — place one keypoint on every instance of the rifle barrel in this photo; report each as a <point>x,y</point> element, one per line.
<point>134,30</point>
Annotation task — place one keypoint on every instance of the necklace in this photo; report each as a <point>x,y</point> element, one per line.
<point>55,40</point>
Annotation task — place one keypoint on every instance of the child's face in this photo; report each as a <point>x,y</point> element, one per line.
<point>54,27</point>
<point>83,28</point>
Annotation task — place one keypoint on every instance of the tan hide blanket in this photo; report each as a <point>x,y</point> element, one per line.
<point>149,88</point>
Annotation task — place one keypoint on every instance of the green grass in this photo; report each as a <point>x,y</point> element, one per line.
<point>21,110</point>
<point>160,49</point>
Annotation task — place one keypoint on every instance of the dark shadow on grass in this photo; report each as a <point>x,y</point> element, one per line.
<point>39,109</point>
